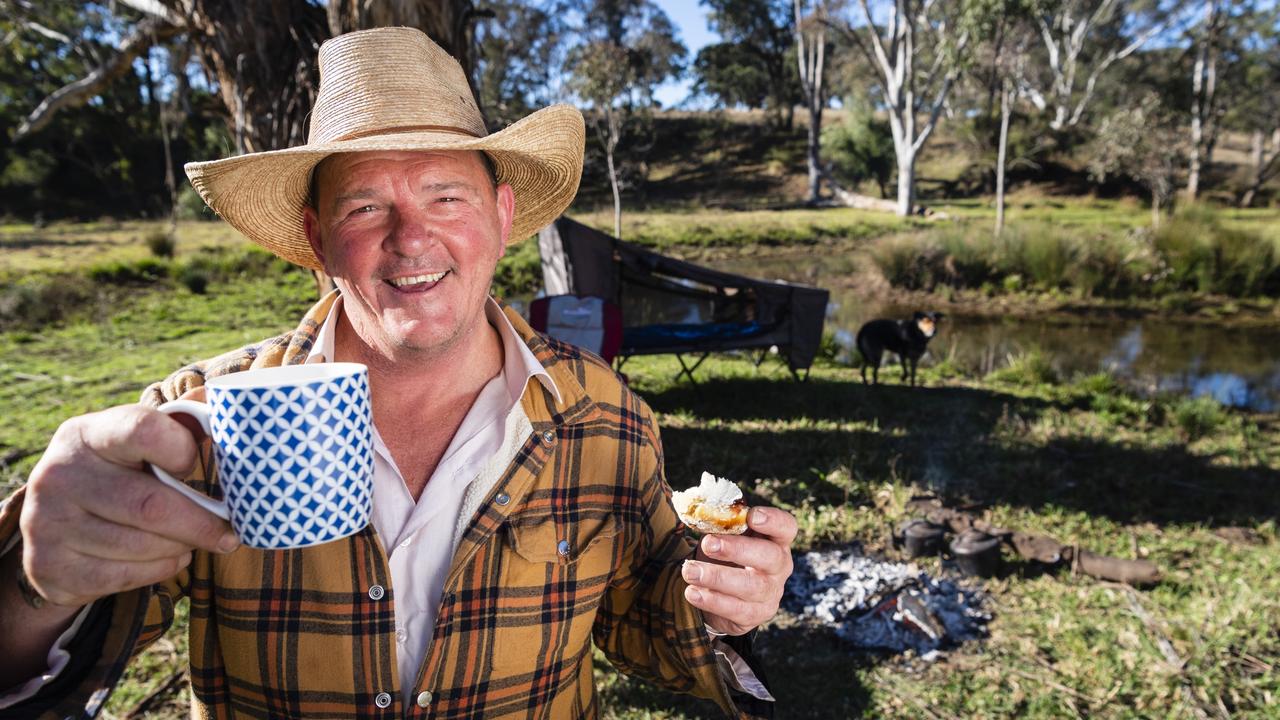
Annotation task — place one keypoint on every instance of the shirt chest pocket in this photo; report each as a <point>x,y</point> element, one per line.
<point>554,575</point>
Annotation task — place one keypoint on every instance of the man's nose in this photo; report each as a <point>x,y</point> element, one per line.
<point>412,232</point>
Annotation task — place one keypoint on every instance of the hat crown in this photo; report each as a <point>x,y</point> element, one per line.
<point>389,79</point>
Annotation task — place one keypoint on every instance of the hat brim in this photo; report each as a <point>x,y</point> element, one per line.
<point>263,195</point>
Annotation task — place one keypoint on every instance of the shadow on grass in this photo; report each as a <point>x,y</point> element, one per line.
<point>27,242</point>
<point>971,443</point>
<point>799,661</point>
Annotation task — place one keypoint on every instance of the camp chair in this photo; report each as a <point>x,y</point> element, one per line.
<point>591,323</point>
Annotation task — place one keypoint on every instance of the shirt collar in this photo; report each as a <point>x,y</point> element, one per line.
<point>518,364</point>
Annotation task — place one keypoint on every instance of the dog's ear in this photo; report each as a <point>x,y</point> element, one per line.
<point>938,315</point>
<point>918,315</point>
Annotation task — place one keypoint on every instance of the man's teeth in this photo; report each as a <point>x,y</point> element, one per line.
<point>416,279</point>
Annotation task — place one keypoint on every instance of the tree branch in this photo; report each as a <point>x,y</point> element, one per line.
<point>150,30</point>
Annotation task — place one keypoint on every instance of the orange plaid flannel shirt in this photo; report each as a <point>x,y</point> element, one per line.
<point>299,633</point>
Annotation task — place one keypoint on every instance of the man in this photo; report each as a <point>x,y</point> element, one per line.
<point>520,510</point>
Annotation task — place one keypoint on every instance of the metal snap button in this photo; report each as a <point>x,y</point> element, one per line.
<point>376,592</point>
<point>548,437</point>
<point>382,700</point>
<point>502,498</point>
<point>424,698</point>
<point>401,636</point>
<point>563,548</point>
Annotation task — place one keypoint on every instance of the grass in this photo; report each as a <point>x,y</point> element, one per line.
<point>1199,251</point>
<point>1076,458</point>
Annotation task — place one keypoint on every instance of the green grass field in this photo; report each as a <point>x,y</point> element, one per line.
<point>1189,485</point>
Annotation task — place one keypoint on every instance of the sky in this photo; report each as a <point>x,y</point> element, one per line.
<point>690,17</point>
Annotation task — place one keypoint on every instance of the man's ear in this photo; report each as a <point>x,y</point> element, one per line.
<point>311,226</point>
<point>506,200</point>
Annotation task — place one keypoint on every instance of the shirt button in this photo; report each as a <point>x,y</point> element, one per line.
<point>382,700</point>
<point>406,543</point>
<point>424,698</point>
<point>548,437</point>
<point>401,635</point>
<point>502,499</point>
<point>375,593</point>
<point>563,548</point>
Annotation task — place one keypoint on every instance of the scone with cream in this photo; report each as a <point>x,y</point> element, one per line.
<point>714,506</point>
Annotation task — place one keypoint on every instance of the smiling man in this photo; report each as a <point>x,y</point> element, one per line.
<point>520,512</point>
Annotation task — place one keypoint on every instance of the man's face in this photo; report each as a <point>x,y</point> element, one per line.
<point>412,240</point>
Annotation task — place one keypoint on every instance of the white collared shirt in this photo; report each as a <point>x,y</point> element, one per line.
<point>419,537</point>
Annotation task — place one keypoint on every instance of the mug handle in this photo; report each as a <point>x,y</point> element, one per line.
<point>200,412</point>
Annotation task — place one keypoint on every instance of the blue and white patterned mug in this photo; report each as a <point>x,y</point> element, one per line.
<point>293,448</point>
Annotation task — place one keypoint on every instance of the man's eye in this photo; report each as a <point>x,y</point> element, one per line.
<point>449,199</point>
<point>365,209</point>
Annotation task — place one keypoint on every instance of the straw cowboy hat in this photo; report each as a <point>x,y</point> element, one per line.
<point>393,89</point>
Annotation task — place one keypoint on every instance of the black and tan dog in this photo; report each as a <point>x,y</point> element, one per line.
<point>906,338</point>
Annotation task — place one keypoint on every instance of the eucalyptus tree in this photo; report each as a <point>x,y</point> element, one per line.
<point>519,57</point>
<point>1080,41</point>
<point>625,49</point>
<point>752,65</point>
<point>919,48</point>
<point>1256,111</point>
<point>1143,141</point>
<point>811,26</point>
<point>259,55</point>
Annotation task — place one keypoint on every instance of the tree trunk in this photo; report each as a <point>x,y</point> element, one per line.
<point>1000,156</point>
<point>809,54</point>
<point>1197,123</point>
<point>1155,210</point>
<point>617,197</point>
<point>815,139</point>
<point>906,181</point>
<point>615,131</point>
<point>1255,164</point>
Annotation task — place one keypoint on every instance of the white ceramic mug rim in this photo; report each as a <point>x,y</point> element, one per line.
<point>283,375</point>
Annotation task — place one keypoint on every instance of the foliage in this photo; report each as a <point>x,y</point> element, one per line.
<point>860,148</point>
<point>161,244</point>
<point>1142,142</point>
<point>104,158</point>
<point>1198,417</point>
<point>140,272</point>
<point>1030,368</point>
<point>1202,254</point>
<point>754,64</point>
<point>519,55</point>
<point>1198,250</point>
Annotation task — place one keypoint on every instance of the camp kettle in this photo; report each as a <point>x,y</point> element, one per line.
<point>921,538</point>
<point>977,553</point>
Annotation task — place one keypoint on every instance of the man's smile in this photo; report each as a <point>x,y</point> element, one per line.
<point>416,283</point>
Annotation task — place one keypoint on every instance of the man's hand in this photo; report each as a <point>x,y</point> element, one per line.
<point>737,580</point>
<point>95,520</point>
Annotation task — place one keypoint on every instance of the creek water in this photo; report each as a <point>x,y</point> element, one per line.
<point>1237,366</point>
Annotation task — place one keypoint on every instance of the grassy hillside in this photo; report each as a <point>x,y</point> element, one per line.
<point>737,160</point>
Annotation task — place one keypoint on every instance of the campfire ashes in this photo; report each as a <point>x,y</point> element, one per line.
<point>884,605</point>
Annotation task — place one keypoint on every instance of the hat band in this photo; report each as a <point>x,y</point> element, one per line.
<point>403,129</point>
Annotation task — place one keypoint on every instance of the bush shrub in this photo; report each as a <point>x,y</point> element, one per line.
<point>1197,417</point>
<point>908,261</point>
<point>1027,369</point>
<point>1204,255</point>
<point>194,279</point>
<point>161,244</point>
<point>139,272</point>
<point>860,148</point>
<point>34,303</point>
